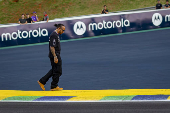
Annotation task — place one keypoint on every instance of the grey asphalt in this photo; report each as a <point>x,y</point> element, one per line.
<point>131,61</point>
<point>89,107</point>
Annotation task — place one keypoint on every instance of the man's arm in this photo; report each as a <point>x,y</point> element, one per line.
<point>53,52</point>
<point>47,18</point>
<point>102,11</point>
<point>106,11</point>
<point>37,18</point>
<point>19,22</point>
<point>31,21</point>
<point>25,22</point>
<point>52,49</point>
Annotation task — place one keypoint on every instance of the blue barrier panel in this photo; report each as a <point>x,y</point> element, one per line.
<point>85,26</point>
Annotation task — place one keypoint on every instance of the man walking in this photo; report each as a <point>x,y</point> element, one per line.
<point>55,58</point>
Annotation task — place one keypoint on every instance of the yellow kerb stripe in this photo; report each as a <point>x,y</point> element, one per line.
<point>86,98</point>
<point>82,93</point>
<point>168,98</point>
<point>3,97</point>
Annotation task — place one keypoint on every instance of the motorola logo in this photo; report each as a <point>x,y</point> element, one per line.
<point>79,28</point>
<point>24,34</point>
<point>157,19</point>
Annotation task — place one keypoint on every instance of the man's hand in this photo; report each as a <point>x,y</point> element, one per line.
<point>55,59</point>
<point>37,18</point>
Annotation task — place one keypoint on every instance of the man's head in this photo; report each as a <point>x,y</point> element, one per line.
<point>167,1</point>
<point>45,13</point>
<point>27,15</point>
<point>158,1</point>
<point>105,7</point>
<point>60,28</point>
<point>34,13</point>
<point>22,16</point>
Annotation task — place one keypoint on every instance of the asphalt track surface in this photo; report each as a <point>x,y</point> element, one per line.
<point>129,61</point>
<point>89,107</point>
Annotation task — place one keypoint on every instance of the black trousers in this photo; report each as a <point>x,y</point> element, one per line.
<point>55,73</point>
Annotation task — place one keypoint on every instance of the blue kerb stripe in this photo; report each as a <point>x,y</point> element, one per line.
<point>54,98</point>
<point>150,97</point>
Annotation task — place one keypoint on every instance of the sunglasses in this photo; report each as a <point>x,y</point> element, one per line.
<point>62,29</point>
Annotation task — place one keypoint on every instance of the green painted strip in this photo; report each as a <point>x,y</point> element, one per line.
<point>87,38</point>
<point>129,97</point>
<point>21,98</point>
<point>118,97</point>
<point>10,47</point>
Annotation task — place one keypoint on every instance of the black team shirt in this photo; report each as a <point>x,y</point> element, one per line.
<point>105,11</point>
<point>158,6</point>
<point>29,20</point>
<point>22,21</point>
<point>167,5</point>
<point>54,41</point>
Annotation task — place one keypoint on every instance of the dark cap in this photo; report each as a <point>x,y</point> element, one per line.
<point>34,12</point>
<point>158,0</point>
<point>27,14</point>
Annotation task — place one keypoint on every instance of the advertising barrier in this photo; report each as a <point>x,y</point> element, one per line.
<point>84,26</point>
